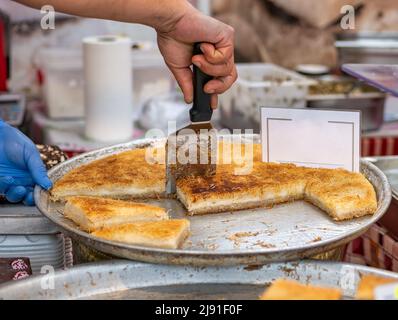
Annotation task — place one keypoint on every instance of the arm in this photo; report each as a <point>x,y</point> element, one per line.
<point>179,26</point>
<point>159,14</point>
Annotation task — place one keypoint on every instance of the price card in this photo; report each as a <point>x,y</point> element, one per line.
<point>311,137</point>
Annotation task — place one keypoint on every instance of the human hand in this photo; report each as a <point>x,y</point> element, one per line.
<point>179,25</point>
<point>176,40</point>
<point>20,166</point>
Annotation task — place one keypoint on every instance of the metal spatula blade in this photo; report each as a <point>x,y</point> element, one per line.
<point>192,150</point>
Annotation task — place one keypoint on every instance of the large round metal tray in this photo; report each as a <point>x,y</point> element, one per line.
<point>129,280</point>
<point>285,232</point>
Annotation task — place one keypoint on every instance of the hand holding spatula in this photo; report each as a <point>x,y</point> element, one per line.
<point>192,151</point>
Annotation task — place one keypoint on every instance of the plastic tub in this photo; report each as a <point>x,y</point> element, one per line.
<point>62,71</point>
<point>63,80</point>
<point>261,85</point>
<point>42,250</point>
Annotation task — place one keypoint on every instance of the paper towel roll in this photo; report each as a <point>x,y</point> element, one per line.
<point>108,88</point>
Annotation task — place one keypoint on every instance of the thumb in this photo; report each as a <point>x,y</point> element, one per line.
<point>38,170</point>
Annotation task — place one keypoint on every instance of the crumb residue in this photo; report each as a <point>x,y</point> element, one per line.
<point>316,239</point>
<point>188,243</point>
<point>212,246</point>
<point>252,267</point>
<point>237,237</point>
<point>246,234</point>
<point>264,244</point>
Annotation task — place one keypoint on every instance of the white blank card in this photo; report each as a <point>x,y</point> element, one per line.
<point>312,138</point>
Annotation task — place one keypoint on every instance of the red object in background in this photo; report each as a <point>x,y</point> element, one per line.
<point>3,61</point>
<point>377,248</point>
<point>383,142</point>
<point>40,77</point>
<point>379,146</point>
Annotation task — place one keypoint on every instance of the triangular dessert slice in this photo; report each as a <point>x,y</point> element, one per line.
<point>92,213</point>
<point>168,234</point>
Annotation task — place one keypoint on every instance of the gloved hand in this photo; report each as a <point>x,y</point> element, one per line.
<point>20,166</point>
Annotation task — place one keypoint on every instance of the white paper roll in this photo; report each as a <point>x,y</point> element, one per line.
<point>108,88</point>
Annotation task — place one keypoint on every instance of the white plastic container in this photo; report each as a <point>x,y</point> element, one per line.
<point>43,250</point>
<point>63,86</point>
<point>261,85</point>
<point>151,77</point>
<point>63,82</point>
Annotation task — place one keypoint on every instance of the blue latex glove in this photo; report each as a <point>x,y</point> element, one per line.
<point>21,167</point>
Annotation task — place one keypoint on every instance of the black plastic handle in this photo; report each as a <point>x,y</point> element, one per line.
<point>201,109</point>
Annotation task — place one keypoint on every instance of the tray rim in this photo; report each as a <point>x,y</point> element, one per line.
<point>375,159</point>
<point>92,270</point>
<point>203,257</point>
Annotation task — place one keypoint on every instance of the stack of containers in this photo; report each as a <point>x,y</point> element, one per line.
<point>43,250</point>
<point>62,78</point>
<point>261,85</point>
<point>25,232</point>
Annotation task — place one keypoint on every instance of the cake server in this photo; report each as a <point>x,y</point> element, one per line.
<point>192,150</point>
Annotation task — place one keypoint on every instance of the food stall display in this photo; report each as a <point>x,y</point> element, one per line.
<point>301,206</point>
<point>250,236</point>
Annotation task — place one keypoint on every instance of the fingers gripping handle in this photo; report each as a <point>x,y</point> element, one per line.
<point>201,109</point>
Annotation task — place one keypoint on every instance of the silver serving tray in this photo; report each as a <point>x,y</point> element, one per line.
<point>380,47</point>
<point>285,232</point>
<point>389,166</point>
<point>121,279</point>
<point>371,106</point>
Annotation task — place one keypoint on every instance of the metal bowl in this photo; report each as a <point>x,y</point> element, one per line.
<point>128,280</point>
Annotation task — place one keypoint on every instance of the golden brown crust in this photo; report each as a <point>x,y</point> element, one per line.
<point>342,194</point>
<point>92,213</point>
<point>282,289</point>
<point>161,234</point>
<point>242,181</point>
<point>103,207</point>
<point>241,206</point>
<point>127,173</point>
<point>263,177</point>
<point>367,285</point>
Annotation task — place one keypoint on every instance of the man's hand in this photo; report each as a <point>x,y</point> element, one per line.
<point>20,166</point>
<point>179,25</point>
<point>176,41</point>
